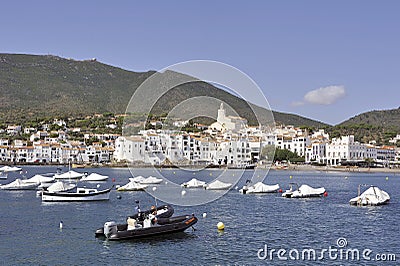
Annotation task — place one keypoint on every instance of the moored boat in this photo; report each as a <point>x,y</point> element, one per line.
<point>155,221</point>
<point>304,191</point>
<point>81,194</point>
<point>69,175</point>
<point>94,177</point>
<point>6,169</point>
<point>132,186</point>
<point>259,187</point>
<point>151,180</point>
<point>217,185</point>
<point>372,196</point>
<point>19,184</point>
<point>193,183</point>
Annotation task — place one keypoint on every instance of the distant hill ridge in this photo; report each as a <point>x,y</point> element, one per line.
<point>36,86</point>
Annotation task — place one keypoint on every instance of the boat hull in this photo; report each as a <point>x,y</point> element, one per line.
<point>165,226</point>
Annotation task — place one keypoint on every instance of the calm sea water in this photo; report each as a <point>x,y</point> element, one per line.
<point>30,233</point>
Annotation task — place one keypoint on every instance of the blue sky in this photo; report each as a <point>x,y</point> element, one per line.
<point>326,60</point>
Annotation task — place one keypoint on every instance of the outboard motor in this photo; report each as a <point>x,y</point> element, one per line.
<point>110,228</point>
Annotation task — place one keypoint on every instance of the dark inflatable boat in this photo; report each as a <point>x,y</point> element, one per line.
<point>150,226</point>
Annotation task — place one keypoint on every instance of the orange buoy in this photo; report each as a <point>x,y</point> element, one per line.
<point>326,194</point>
<point>280,190</point>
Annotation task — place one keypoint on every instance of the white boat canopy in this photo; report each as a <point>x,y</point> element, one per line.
<point>372,196</point>
<point>68,175</point>
<point>218,185</point>
<point>60,186</point>
<point>193,183</point>
<point>259,187</point>
<point>10,169</point>
<point>39,179</point>
<point>94,177</point>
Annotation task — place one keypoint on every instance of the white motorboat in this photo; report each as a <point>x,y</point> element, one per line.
<point>304,191</point>
<point>217,185</point>
<point>81,194</point>
<point>6,169</point>
<point>19,184</point>
<point>60,186</point>
<point>132,186</point>
<point>39,179</point>
<point>69,175</point>
<point>137,179</point>
<point>151,180</point>
<point>259,187</point>
<point>94,177</point>
<point>193,183</point>
<point>372,196</point>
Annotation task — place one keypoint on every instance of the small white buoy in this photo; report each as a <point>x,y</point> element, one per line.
<point>345,177</point>
<point>183,192</point>
<point>236,188</point>
<point>204,214</point>
<point>61,224</point>
<point>387,178</point>
<point>119,197</point>
<point>166,182</point>
<point>98,185</point>
<point>220,226</point>
<point>154,188</point>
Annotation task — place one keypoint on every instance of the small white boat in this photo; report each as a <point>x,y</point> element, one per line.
<point>137,179</point>
<point>304,191</point>
<point>151,180</point>
<point>193,183</point>
<point>132,186</point>
<point>372,196</point>
<point>217,185</point>
<point>19,184</point>
<point>6,169</point>
<point>94,177</point>
<point>3,175</point>
<point>81,194</point>
<point>39,179</point>
<point>60,186</point>
<point>259,188</point>
<point>68,175</point>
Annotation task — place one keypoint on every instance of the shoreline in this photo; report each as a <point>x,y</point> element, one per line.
<point>337,169</point>
<point>290,167</point>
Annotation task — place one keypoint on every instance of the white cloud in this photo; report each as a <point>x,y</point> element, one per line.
<point>326,95</point>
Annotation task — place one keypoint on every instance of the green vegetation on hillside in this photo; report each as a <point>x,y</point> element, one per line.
<point>37,87</point>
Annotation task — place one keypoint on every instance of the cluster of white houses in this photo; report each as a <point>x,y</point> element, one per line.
<point>57,150</point>
<point>228,141</point>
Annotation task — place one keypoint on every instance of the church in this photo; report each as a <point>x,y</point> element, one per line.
<point>228,123</point>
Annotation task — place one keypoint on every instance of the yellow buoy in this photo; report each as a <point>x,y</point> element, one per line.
<point>290,177</point>
<point>387,178</point>
<point>220,226</point>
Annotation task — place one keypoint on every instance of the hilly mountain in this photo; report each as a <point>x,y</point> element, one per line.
<point>40,86</point>
<point>375,125</point>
